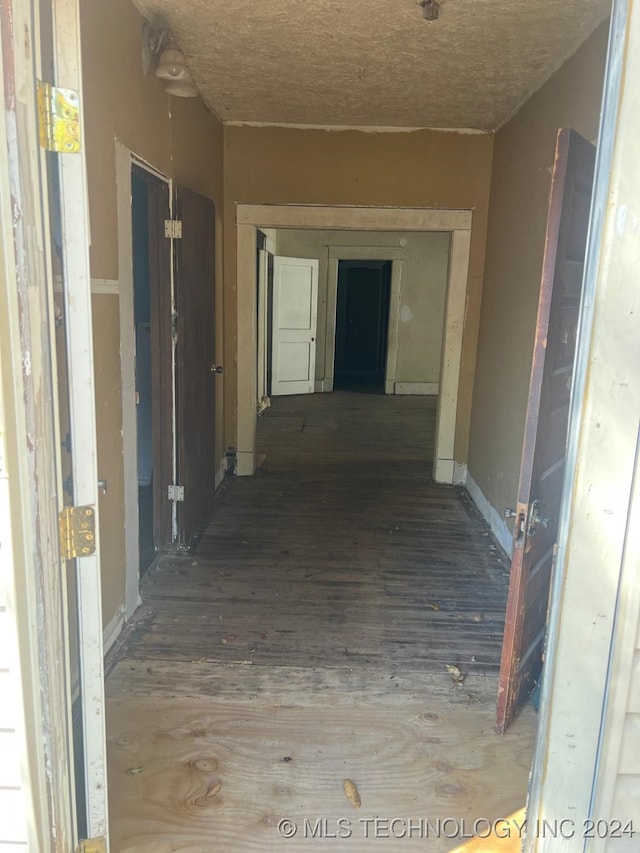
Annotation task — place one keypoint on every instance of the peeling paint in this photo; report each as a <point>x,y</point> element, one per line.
<point>406,314</point>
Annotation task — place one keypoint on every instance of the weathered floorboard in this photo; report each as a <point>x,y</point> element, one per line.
<point>314,621</point>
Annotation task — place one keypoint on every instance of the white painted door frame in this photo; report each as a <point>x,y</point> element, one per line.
<point>35,710</point>
<point>250,217</point>
<point>76,237</point>
<point>360,253</point>
<point>125,160</point>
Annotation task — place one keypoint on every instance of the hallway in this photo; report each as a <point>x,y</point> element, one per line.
<point>306,640</point>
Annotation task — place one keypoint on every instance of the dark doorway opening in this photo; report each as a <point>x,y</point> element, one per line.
<point>362,321</point>
<point>153,357</point>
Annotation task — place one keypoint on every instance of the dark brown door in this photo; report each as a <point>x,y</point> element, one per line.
<point>154,381</point>
<point>543,453</point>
<point>195,381</point>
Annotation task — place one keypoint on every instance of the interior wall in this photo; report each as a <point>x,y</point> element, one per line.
<point>181,139</point>
<point>521,180</point>
<point>349,167</point>
<point>422,297</point>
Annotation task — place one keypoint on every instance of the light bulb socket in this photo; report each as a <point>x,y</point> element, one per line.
<point>172,65</point>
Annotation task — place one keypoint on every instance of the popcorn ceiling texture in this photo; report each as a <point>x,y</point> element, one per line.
<point>369,63</point>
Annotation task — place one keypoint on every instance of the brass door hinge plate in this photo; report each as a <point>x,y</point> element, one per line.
<point>77,531</point>
<point>92,845</point>
<point>58,118</point>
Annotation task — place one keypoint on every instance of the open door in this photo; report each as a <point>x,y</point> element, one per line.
<point>543,453</point>
<point>295,311</point>
<point>195,369</point>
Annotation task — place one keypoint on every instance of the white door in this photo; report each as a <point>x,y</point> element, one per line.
<point>295,311</point>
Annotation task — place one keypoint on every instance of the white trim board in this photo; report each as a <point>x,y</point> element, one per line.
<point>491,515</point>
<point>249,217</point>
<point>113,628</point>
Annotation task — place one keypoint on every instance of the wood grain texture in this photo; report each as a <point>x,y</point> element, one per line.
<point>305,642</point>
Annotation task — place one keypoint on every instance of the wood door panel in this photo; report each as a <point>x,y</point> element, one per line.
<point>544,447</point>
<point>195,356</point>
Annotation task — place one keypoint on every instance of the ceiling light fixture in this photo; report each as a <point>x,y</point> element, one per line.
<point>167,61</point>
<point>430,9</point>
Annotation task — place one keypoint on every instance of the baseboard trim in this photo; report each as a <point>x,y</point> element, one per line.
<point>427,389</point>
<point>459,473</point>
<point>113,629</point>
<point>491,515</point>
<point>220,474</point>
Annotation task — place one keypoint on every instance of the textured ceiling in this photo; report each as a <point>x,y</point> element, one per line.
<point>373,63</point>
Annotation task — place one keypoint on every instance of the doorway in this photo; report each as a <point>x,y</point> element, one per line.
<point>362,322</point>
<point>146,356</point>
<point>457,223</point>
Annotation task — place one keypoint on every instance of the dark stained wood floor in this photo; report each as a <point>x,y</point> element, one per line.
<point>340,550</point>
<point>305,641</point>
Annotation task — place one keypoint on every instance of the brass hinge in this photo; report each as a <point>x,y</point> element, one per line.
<point>77,531</point>
<point>92,845</point>
<point>58,118</point>
<point>173,228</point>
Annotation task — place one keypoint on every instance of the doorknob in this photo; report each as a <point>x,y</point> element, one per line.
<point>216,368</point>
<point>535,519</point>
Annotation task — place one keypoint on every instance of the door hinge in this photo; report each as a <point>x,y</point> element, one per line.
<point>58,118</point>
<point>176,493</point>
<point>173,228</point>
<point>92,845</point>
<point>77,526</point>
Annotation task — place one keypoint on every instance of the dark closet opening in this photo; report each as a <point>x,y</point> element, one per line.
<point>362,322</point>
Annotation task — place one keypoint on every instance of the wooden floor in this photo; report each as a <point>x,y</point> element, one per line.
<point>306,641</point>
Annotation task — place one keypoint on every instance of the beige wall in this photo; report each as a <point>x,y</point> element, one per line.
<point>181,139</point>
<point>271,165</point>
<point>423,288</point>
<point>521,180</point>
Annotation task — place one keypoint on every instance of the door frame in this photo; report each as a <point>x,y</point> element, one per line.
<point>125,161</point>
<point>362,253</point>
<point>250,217</point>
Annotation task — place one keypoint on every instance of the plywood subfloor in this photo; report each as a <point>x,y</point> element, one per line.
<point>306,640</point>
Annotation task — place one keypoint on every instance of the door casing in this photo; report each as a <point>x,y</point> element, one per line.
<point>125,160</point>
<point>251,217</point>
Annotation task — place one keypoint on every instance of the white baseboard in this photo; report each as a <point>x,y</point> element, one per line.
<point>112,629</point>
<point>459,474</point>
<point>221,474</point>
<point>423,388</point>
<point>319,386</point>
<point>491,515</point>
